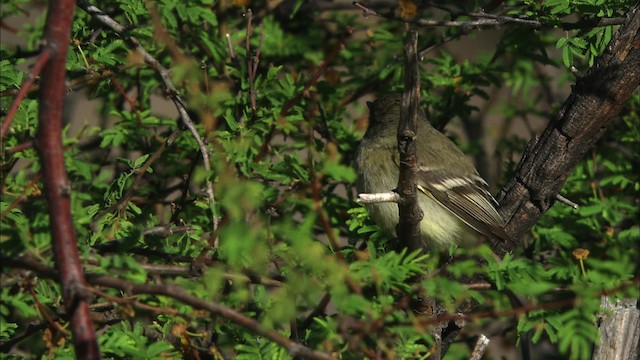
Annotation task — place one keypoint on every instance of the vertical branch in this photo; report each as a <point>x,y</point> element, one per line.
<point>56,183</point>
<point>408,206</point>
<point>409,209</point>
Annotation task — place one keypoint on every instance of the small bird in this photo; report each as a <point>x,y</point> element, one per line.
<point>455,200</point>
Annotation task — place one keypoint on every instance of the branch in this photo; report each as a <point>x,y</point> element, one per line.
<point>165,76</point>
<point>479,349</point>
<point>29,190</point>
<point>24,89</point>
<point>595,101</point>
<point>374,198</point>
<point>485,19</point>
<point>56,184</point>
<point>409,209</point>
<point>177,293</point>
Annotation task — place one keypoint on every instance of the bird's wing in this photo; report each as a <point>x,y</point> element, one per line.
<point>467,197</point>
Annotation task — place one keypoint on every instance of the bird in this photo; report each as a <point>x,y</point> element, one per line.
<point>457,205</point>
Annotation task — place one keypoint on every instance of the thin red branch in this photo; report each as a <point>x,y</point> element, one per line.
<point>43,311</point>
<point>29,189</point>
<point>21,147</point>
<point>132,103</point>
<point>24,89</point>
<point>132,301</point>
<point>56,184</point>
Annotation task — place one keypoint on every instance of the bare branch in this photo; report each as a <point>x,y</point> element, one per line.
<point>480,348</point>
<point>232,54</point>
<point>378,197</point>
<point>566,201</point>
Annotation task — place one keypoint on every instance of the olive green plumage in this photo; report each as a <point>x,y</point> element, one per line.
<point>455,201</point>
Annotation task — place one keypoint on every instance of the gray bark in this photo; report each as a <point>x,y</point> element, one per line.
<point>619,331</point>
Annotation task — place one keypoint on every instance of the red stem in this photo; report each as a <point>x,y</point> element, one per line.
<point>24,89</point>
<point>56,184</point>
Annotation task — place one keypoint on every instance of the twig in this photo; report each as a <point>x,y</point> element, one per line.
<point>31,329</point>
<point>161,231</point>
<point>132,301</point>
<point>252,60</point>
<point>188,270</point>
<point>179,294</point>
<point>163,35</point>
<point>423,52</point>
<point>490,314</point>
<point>43,311</point>
<point>318,311</point>
<point>131,103</point>
<point>22,197</point>
<point>175,217</point>
<point>21,147</point>
<point>566,201</point>
<point>232,54</point>
<point>165,230</point>
<point>165,76</point>
<point>24,89</point>
<point>391,196</point>
<point>480,348</point>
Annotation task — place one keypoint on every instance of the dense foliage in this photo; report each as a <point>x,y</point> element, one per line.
<point>279,102</point>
